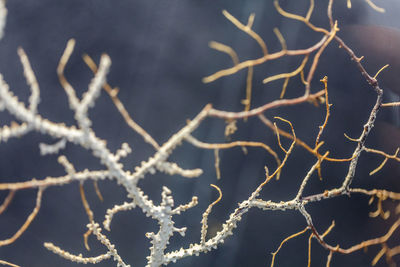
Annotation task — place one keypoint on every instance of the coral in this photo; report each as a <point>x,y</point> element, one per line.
<point>115,168</point>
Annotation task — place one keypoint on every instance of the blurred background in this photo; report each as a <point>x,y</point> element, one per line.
<point>159,51</point>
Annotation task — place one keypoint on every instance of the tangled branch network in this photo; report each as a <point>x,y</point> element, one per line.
<point>164,213</point>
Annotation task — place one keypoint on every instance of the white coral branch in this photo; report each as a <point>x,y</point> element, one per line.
<point>76,258</point>
<point>3,16</point>
<point>31,80</point>
<point>46,149</point>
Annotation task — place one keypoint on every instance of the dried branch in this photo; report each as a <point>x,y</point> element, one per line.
<point>27,222</point>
